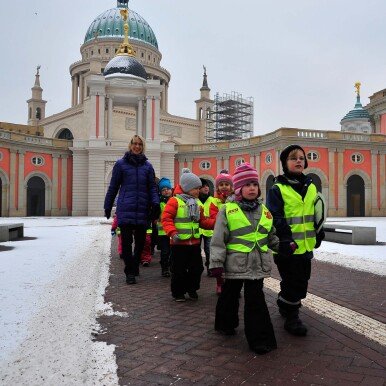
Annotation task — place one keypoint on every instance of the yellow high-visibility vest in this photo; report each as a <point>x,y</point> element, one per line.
<point>242,236</point>
<point>160,228</point>
<point>217,202</point>
<point>186,228</point>
<point>299,214</point>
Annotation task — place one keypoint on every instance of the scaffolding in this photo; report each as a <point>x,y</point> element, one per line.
<point>230,118</point>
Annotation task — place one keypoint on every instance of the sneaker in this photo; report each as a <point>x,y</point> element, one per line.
<point>130,279</point>
<point>218,289</point>
<point>145,264</point>
<point>180,298</point>
<point>193,295</point>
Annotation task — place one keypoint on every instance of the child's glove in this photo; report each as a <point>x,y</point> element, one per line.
<point>175,238</point>
<point>217,272</point>
<point>107,213</point>
<point>113,233</point>
<point>319,238</point>
<point>287,248</point>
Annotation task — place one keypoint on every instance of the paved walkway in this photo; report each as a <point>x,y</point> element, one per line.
<point>160,342</point>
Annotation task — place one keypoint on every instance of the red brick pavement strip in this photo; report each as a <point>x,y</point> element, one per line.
<point>161,342</point>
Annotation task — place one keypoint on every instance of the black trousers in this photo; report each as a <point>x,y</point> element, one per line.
<point>295,272</point>
<point>186,268</point>
<point>128,233</point>
<point>206,241</point>
<point>257,321</point>
<point>164,246</point>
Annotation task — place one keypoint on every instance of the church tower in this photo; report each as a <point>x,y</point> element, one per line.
<point>204,106</point>
<point>36,105</point>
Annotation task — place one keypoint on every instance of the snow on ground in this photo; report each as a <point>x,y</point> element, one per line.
<point>368,258</point>
<point>51,290</point>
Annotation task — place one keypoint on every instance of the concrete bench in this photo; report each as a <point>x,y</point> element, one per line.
<point>350,234</point>
<point>11,231</point>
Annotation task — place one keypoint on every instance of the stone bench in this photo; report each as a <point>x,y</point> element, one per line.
<point>350,234</point>
<point>11,231</point>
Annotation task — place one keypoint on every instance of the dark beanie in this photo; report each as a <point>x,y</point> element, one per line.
<point>284,155</point>
<point>204,182</point>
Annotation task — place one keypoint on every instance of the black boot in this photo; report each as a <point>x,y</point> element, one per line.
<point>130,279</point>
<point>165,272</point>
<point>294,325</point>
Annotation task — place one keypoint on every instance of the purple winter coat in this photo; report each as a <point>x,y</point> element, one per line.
<point>133,176</point>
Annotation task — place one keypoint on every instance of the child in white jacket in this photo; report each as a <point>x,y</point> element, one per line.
<point>239,251</point>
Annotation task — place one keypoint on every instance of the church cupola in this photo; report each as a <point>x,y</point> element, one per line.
<point>358,119</point>
<point>36,105</point>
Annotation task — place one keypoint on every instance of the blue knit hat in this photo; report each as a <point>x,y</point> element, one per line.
<point>164,182</point>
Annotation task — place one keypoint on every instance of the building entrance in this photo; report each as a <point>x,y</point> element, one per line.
<point>36,197</point>
<point>355,196</point>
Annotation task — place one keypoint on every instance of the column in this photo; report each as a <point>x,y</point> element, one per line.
<point>102,107</point>
<point>76,93</point>
<point>110,117</point>
<point>166,96</point>
<point>331,183</point>
<point>156,118</point>
<point>22,207</point>
<point>12,182</point>
<point>258,163</point>
<point>140,127</point>
<point>73,92</point>
<point>93,121</point>
<point>54,196</point>
<point>81,88</point>
<point>63,205</point>
<point>149,117</point>
<point>342,190</point>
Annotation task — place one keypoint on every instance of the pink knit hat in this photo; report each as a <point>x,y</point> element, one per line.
<point>243,175</point>
<point>224,176</point>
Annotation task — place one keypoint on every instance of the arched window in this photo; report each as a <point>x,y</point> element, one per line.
<point>38,114</point>
<point>208,113</point>
<point>30,113</point>
<point>65,134</point>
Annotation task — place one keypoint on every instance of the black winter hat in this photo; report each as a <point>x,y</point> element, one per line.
<point>284,155</point>
<point>204,182</point>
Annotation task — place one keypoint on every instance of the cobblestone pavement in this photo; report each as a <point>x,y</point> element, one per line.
<point>160,342</point>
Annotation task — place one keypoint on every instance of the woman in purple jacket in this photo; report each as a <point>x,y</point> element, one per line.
<point>137,205</point>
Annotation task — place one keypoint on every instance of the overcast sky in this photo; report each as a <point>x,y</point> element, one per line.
<point>298,59</point>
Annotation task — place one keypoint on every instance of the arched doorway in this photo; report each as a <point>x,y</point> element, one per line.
<point>268,184</point>
<point>36,196</point>
<point>316,180</point>
<point>355,196</point>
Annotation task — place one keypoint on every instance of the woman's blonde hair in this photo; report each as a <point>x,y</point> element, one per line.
<point>133,138</point>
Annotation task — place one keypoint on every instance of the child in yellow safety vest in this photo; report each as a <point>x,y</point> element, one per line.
<point>163,245</point>
<point>239,251</point>
<point>181,219</point>
<point>224,188</point>
<point>291,201</point>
